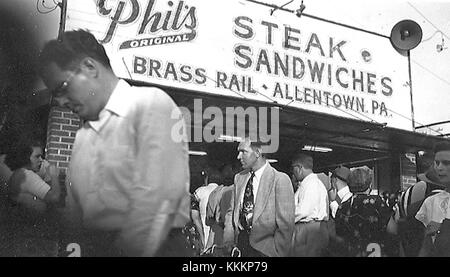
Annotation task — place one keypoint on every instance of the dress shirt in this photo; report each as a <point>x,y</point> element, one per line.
<point>202,194</point>
<point>256,181</point>
<point>434,208</point>
<point>31,190</point>
<point>129,170</point>
<point>311,200</point>
<point>344,194</point>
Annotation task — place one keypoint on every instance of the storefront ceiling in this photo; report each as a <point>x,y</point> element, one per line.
<point>322,129</point>
<point>300,126</point>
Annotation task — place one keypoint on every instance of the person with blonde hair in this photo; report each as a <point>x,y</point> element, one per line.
<point>361,221</point>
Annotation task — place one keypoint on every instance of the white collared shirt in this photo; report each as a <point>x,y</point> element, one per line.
<point>434,208</point>
<point>202,193</point>
<point>128,173</point>
<point>344,194</point>
<point>311,200</point>
<point>256,181</point>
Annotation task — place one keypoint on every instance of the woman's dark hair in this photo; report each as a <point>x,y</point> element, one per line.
<point>19,154</point>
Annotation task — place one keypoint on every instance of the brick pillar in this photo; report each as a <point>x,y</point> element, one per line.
<point>61,130</point>
<point>62,127</point>
<point>408,170</point>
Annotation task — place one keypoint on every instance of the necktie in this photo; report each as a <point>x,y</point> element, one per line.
<point>248,204</point>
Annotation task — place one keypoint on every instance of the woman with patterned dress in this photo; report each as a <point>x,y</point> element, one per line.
<point>361,221</point>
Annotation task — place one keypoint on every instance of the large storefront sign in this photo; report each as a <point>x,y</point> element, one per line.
<point>237,48</point>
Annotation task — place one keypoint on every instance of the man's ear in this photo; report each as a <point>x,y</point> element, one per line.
<point>258,152</point>
<point>90,67</point>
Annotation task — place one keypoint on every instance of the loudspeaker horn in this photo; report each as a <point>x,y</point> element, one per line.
<point>406,35</point>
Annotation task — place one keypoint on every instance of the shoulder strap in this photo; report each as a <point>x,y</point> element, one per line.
<point>403,202</point>
<point>409,196</point>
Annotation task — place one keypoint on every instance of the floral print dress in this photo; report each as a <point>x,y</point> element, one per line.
<point>190,231</point>
<point>361,222</point>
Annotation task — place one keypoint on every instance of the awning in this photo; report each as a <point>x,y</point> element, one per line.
<point>303,125</point>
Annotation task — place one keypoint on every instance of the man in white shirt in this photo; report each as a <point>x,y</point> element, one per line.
<point>339,192</point>
<point>212,181</point>
<point>435,209</point>
<point>311,210</point>
<point>129,171</point>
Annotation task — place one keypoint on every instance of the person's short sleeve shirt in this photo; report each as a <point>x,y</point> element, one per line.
<point>34,185</point>
<point>362,221</point>
<point>434,208</point>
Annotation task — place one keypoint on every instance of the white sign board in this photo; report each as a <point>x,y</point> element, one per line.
<point>237,48</point>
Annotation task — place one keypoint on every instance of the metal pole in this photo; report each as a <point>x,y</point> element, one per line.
<point>62,20</point>
<point>410,91</point>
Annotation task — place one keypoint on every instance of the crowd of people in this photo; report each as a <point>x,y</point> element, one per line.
<point>309,221</point>
<point>127,187</point>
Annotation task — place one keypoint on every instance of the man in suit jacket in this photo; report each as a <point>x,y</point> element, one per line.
<point>267,229</point>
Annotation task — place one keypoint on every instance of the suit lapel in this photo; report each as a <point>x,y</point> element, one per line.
<point>265,186</point>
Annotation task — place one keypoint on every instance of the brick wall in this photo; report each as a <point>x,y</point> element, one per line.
<point>62,127</point>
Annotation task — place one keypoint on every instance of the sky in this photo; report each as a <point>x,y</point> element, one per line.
<point>430,68</point>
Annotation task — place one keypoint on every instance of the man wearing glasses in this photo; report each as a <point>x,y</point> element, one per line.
<point>311,210</point>
<point>128,177</point>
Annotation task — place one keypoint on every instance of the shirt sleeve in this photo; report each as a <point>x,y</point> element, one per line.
<point>334,207</point>
<point>34,184</point>
<point>423,214</point>
<point>307,201</point>
<point>159,196</point>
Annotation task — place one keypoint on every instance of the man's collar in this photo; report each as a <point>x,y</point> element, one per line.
<point>310,175</point>
<point>344,193</point>
<point>115,103</point>
<point>259,172</point>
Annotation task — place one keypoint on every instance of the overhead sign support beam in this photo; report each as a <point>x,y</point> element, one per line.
<point>405,36</point>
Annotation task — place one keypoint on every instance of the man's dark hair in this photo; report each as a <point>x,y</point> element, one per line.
<point>20,153</point>
<point>304,159</point>
<point>73,46</point>
<point>214,175</point>
<point>442,146</point>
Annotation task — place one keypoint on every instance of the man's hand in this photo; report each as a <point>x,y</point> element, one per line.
<point>432,228</point>
<point>54,172</point>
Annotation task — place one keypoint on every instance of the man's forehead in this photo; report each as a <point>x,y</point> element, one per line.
<point>445,153</point>
<point>442,156</point>
<point>37,151</point>
<point>244,144</point>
